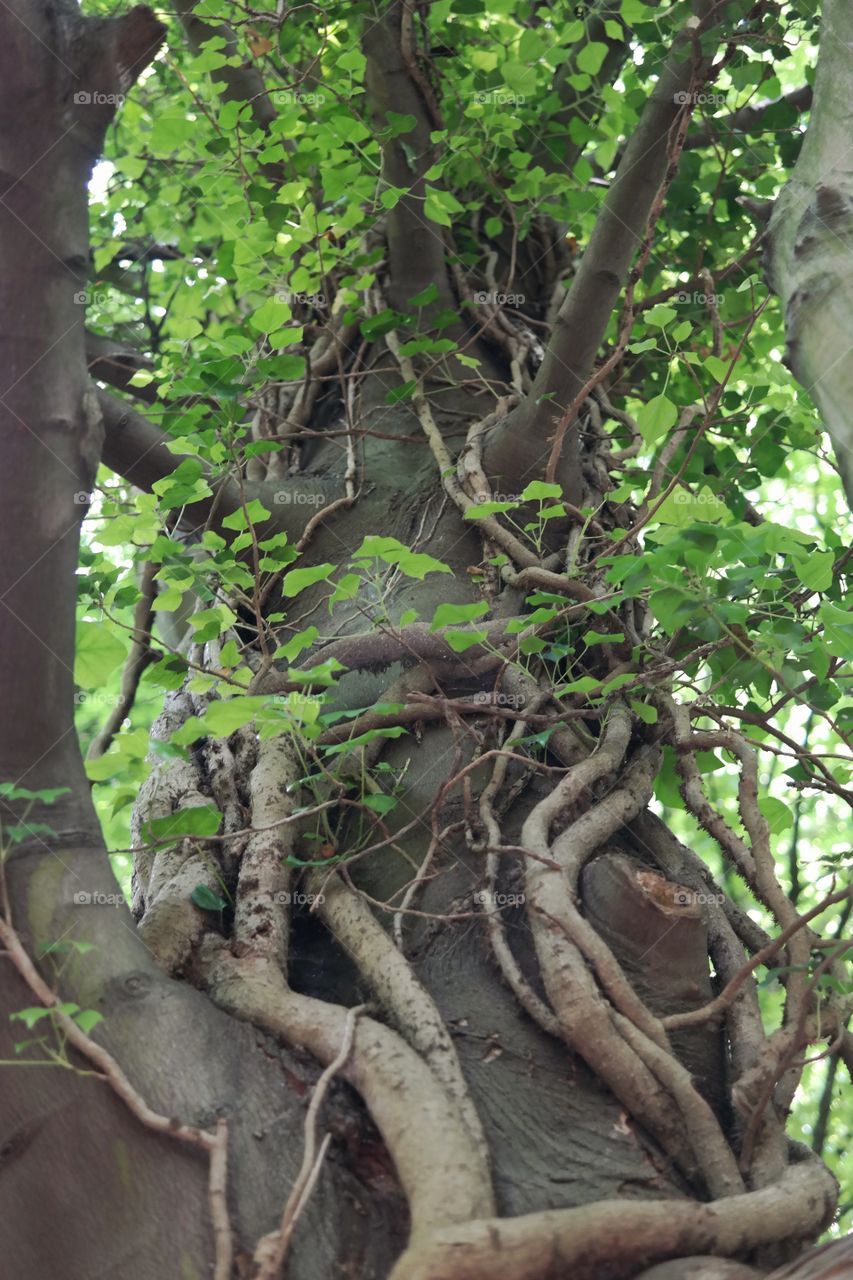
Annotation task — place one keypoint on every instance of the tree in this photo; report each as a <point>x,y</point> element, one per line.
<point>421,394</point>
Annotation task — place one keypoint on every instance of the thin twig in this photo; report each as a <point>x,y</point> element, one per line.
<point>271,1252</point>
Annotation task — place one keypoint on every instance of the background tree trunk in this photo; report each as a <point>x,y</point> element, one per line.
<point>504,1108</point>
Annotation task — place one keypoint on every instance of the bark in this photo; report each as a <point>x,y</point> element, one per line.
<point>124,1200</point>
<point>521,445</point>
<point>809,244</point>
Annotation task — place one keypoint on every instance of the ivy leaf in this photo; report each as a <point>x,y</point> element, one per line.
<point>299,579</point>
<point>226,715</point>
<point>591,57</point>
<point>195,820</point>
<point>815,571</point>
<point>99,652</point>
<point>271,315</point>
<point>440,204</point>
<point>88,1019</point>
<point>379,803</point>
<point>655,418</point>
<point>30,1017</point>
<point>206,900</point>
<point>447,614</point>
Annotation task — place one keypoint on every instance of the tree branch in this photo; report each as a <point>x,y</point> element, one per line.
<point>136,449</point>
<point>608,1237</point>
<point>140,656</point>
<point>236,84</point>
<point>114,363</point>
<point>748,119</point>
<point>579,107</point>
<point>518,445</point>
<point>416,250</point>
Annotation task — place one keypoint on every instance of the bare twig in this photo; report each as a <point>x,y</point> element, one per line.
<point>271,1251</point>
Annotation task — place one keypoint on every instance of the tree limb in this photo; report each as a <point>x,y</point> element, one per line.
<point>518,445</point>
<point>749,119</point>
<point>608,1237</point>
<point>138,450</point>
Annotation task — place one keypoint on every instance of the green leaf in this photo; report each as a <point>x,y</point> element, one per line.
<point>440,204</point>
<point>88,1019</point>
<point>539,490</point>
<point>404,392</point>
<point>661,316</point>
<point>815,570</point>
<point>270,316</point>
<point>207,624</point>
<point>195,820</point>
<point>838,630</point>
<point>520,77</point>
<point>448,614</point>
<point>672,607</point>
<point>585,684</point>
<point>353,60</point>
<point>206,900</point>
<point>425,297</point>
<point>591,57</point>
<point>361,739</point>
<point>778,815</point>
<point>655,418</point>
<point>459,641</point>
<point>186,484</point>
<point>682,508</point>
<point>30,1017</point>
<point>602,637</point>
<point>254,512</point>
<point>298,579</point>
<point>99,652</point>
<point>226,715</point>
<point>303,640</point>
<point>717,368</point>
<point>483,509</point>
<point>414,564</point>
<point>379,803</point>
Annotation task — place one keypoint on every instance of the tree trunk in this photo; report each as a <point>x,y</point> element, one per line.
<point>504,992</point>
<point>808,258</point>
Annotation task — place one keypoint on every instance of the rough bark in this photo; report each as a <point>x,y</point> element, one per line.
<point>809,260</point>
